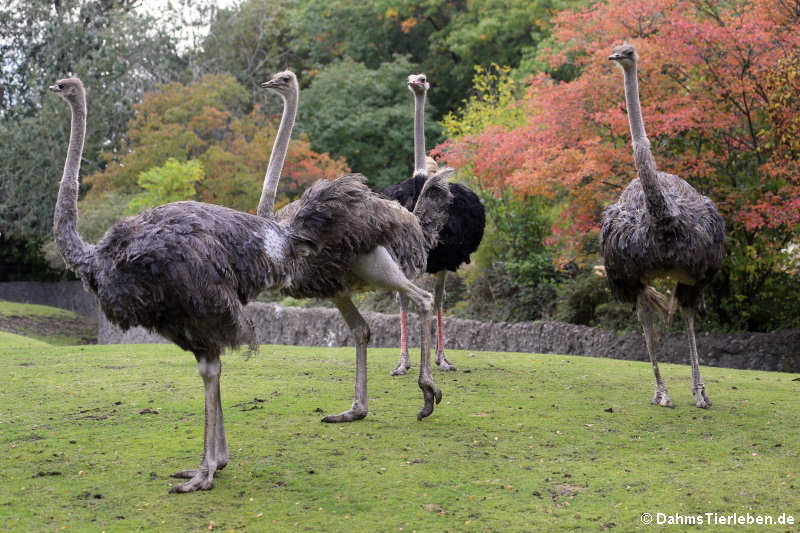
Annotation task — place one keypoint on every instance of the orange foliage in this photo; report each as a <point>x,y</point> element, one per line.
<point>207,121</point>
<point>719,84</point>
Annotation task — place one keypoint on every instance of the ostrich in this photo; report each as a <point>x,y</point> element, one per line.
<point>460,237</point>
<point>186,269</point>
<point>660,227</point>
<point>285,85</point>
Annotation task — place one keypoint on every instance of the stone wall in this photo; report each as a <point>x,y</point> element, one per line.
<point>68,295</point>
<point>324,327</point>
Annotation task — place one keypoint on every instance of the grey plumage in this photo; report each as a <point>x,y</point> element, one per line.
<point>400,244</point>
<point>186,269</point>
<point>660,227</point>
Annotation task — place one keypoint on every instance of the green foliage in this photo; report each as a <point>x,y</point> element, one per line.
<point>493,103</point>
<point>249,41</point>
<point>117,52</point>
<point>516,279</point>
<point>520,443</point>
<point>757,290</point>
<point>578,298</point>
<point>365,116</point>
<point>445,38</point>
<point>115,49</point>
<point>170,183</point>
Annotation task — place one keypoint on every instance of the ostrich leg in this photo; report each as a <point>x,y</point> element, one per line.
<point>215,445</point>
<point>698,389</point>
<point>438,304</point>
<point>360,331</point>
<point>647,318</point>
<point>379,269</point>
<point>405,362</point>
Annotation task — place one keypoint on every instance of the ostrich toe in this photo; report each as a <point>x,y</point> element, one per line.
<point>700,398</point>
<point>357,412</point>
<point>662,398</point>
<point>200,479</point>
<point>443,363</point>
<point>431,393</point>
<point>402,366</point>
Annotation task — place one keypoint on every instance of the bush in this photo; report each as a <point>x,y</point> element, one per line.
<point>577,299</point>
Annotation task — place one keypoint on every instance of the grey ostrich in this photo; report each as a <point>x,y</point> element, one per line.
<point>458,239</point>
<point>660,227</point>
<point>431,214</point>
<point>187,269</point>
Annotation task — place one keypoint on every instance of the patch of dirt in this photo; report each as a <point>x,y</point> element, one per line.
<point>82,328</point>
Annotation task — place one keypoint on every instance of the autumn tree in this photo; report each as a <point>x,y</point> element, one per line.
<point>719,96</point>
<point>210,121</point>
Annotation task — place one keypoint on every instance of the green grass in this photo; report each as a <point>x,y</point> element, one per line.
<point>8,309</point>
<point>47,324</point>
<point>11,340</point>
<point>523,442</point>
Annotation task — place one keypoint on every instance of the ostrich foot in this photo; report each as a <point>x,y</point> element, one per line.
<point>700,398</point>
<point>430,393</point>
<point>199,479</point>
<point>443,363</point>
<point>402,366</point>
<point>357,412</point>
<point>662,398</point>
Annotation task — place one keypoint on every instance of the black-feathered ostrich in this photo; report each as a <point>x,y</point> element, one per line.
<point>660,227</point>
<point>186,269</point>
<point>460,237</point>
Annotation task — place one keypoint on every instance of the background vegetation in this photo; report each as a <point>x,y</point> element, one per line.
<point>523,103</point>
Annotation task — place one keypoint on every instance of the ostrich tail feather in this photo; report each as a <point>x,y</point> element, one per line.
<point>663,305</point>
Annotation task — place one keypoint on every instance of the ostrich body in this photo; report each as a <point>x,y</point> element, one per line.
<point>403,256</point>
<point>660,227</point>
<point>460,236</point>
<point>187,269</point>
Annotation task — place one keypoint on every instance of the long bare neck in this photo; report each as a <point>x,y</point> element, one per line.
<point>76,252</point>
<point>266,205</point>
<point>642,157</point>
<point>420,169</point>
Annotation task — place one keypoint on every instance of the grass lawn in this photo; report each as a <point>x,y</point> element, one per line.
<point>520,442</point>
<point>48,324</point>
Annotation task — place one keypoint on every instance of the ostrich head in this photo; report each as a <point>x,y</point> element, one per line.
<point>418,83</point>
<point>70,89</point>
<point>284,83</point>
<point>624,55</point>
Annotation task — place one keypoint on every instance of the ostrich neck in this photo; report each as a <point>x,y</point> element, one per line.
<point>76,252</point>
<point>266,205</point>
<point>419,135</point>
<point>643,158</point>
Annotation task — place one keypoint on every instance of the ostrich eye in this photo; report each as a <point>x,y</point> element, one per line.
<point>285,78</point>
<point>61,86</point>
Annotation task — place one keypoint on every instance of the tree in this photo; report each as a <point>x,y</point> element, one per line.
<point>210,121</point>
<point>719,100</point>
<point>365,116</point>
<point>250,41</point>
<point>118,52</point>
<point>172,182</point>
<point>445,38</point>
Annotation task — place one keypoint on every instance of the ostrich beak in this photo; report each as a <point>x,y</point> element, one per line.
<point>268,84</point>
<point>55,88</point>
<point>614,57</point>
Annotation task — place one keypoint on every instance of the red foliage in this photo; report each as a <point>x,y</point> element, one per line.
<point>719,84</point>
